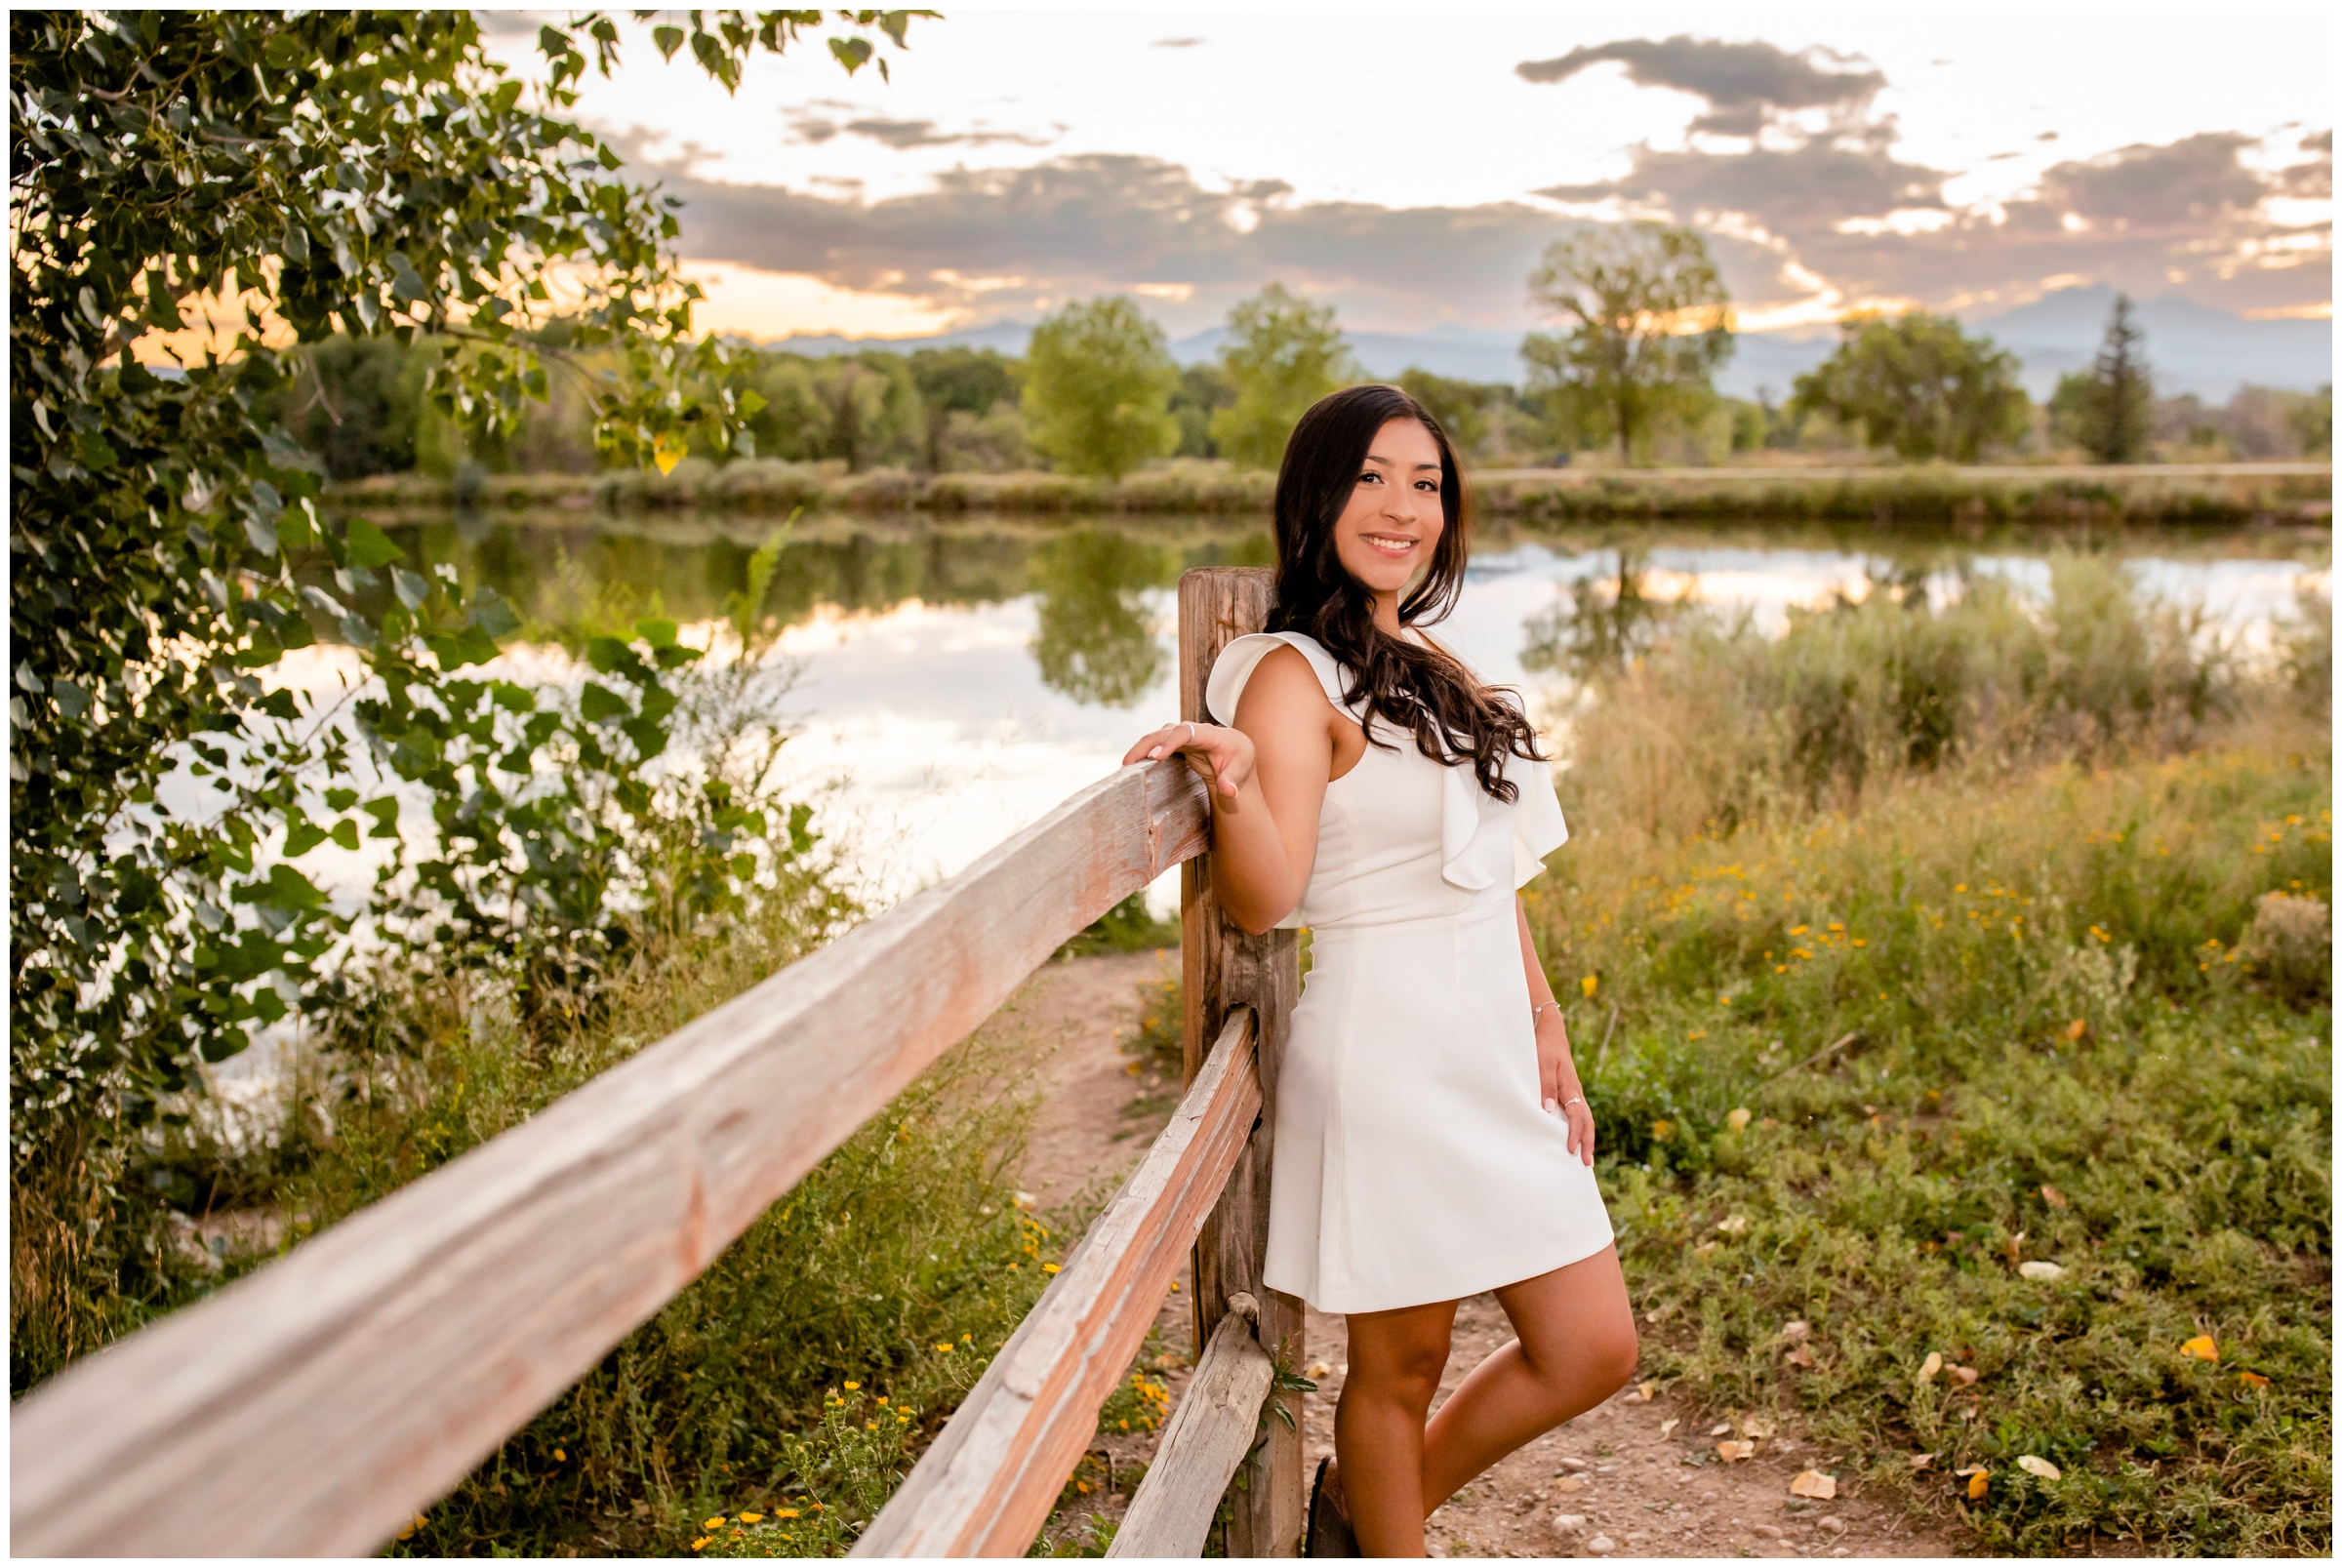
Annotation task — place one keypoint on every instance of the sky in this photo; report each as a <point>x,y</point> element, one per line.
<point>1412,165</point>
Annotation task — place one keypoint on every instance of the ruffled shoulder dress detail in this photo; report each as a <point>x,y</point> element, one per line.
<point>1413,1158</point>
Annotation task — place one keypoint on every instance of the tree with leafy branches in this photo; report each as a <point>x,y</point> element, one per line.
<point>1647,325</point>
<point>1098,386</point>
<point>1918,384</point>
<point>233,186</point>
<point>1281,355</point>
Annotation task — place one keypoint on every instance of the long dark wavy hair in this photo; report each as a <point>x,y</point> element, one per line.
<point>1414,687</point>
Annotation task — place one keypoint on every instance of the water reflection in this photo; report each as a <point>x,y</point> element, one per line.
<point>1098,642</point>
<point>963,677</point>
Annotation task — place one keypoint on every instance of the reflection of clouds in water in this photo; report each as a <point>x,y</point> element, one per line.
<point>927,733</point>
<point>940,739</point>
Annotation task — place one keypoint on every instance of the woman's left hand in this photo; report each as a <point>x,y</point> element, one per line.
<point>1557,1076</point>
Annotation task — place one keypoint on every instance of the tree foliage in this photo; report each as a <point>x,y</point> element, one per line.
<point>1917,383</point>
<point>1646,326</point>
<point>1281,355</point>
<point>2110,410</point>
<point>1098,386</point>
<point>253,182</point>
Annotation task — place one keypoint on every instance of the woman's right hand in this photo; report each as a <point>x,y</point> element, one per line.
<point>1223,756</point>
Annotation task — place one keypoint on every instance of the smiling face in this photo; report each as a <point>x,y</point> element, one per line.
<point>1393,522</point>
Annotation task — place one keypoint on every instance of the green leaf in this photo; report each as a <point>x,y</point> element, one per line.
<point>648,735</point>
<point>412,587</point>
<point>345,833</point>
<point>340,799</point>
<point>369,545</point>
<point>749,403</point>
<point>302,837</point>
<point>492,613</point>
<point>666,40</point>
<point>470,646</point>
<point>655,630</point>
<point>597,704</point>
<point>96,452</point>
<point>260,532</point>
<point>384,813</point>
<point>285,888</point>
<point>852,53</point>
<point>279,705</point>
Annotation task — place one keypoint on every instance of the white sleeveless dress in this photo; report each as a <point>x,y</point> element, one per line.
<point>1414,1160</point>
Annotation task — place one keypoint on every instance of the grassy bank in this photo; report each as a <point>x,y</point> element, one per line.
<point>1933,496</point>
<point>1976,949</point>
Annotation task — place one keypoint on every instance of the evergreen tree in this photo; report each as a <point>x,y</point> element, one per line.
<point>2117,407</point>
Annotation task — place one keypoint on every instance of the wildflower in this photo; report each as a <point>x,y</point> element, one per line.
<point>1960,887</point>
<point>1862,942</point>
<point>1796,930</point>
<point>1723,1001</point>
<point>751,1519</point>
<point>1048,1268</point>
<point>869,1426</point>
<point>716,1523</point>
<point>784,1513</point>
<point>1587,985</point>
<point>852,1385</point>
<point>697,1545</point>
<point>883,1399</point>
<point>944,1348</point>
<point>560,1458</point>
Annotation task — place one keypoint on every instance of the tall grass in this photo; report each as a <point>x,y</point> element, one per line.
<point>2071,954</point>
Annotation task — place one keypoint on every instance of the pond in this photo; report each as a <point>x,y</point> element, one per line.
<point>954,681</point>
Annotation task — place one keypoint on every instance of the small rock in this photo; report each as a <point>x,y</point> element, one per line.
<point>1571,1483</point>
<point>1605,1469</point>
<point>1838,1551</point>
<point>1770,1532</point>
<point>1601,1545</point>
<point>1831,1523</point>
<point>1796,1332</point>
<point>1575,1465</point>
<point>1570,1524</point>
<point>2042,1270</point>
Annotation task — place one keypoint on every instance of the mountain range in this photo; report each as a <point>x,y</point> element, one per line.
<point>2190,347</point>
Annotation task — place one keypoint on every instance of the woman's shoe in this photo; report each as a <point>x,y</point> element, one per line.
<point>1331,1535</point>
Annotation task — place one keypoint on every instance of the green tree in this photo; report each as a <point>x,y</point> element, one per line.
<point>1282,354</point>
<point>1203,390</point>
<point>2114,409</point>
<point>1647,326</point>
<point>1919,384</point>
<point>274,177</point>
<point>1466,410</point>
<point>960,380</point>
<point>1098,386</point>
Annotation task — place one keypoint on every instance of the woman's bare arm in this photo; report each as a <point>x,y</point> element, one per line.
<point>1268,775</point>
<point>1557,1073</point>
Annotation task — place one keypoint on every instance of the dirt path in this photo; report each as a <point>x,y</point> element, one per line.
<point>1636,1478</point>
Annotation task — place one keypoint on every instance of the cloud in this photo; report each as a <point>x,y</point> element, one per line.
<point>2194,180</point>
<point>991,242</point>
<point>1835,217</point>
<point>1746,85</point>
<point>904,135</point>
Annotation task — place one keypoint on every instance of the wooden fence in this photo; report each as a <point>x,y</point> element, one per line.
<point>317,1405</point>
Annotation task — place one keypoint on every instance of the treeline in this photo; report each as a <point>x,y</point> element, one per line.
<point>1642,324</point>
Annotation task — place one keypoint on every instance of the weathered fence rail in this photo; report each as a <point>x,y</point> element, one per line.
<point>317,1405</point>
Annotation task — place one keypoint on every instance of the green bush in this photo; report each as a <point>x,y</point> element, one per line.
<point>1860,1056</point>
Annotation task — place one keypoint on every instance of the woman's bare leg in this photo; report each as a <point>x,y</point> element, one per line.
<point>1396,1359</point>
<point>1576,1347</point>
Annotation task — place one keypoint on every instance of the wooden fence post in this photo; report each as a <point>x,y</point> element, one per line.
<point>1219,968</point>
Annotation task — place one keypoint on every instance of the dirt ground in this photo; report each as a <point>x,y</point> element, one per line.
<point>1636,1478</point>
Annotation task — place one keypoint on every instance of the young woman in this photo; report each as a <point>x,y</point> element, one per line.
<point>1432,1137</point>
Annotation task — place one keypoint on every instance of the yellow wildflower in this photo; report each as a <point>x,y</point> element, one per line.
<point>1048,1268</point>
<point>853,1386</point>
<point>1587,985</point>
<point>716,1523</point>
<point>751,1519</point>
